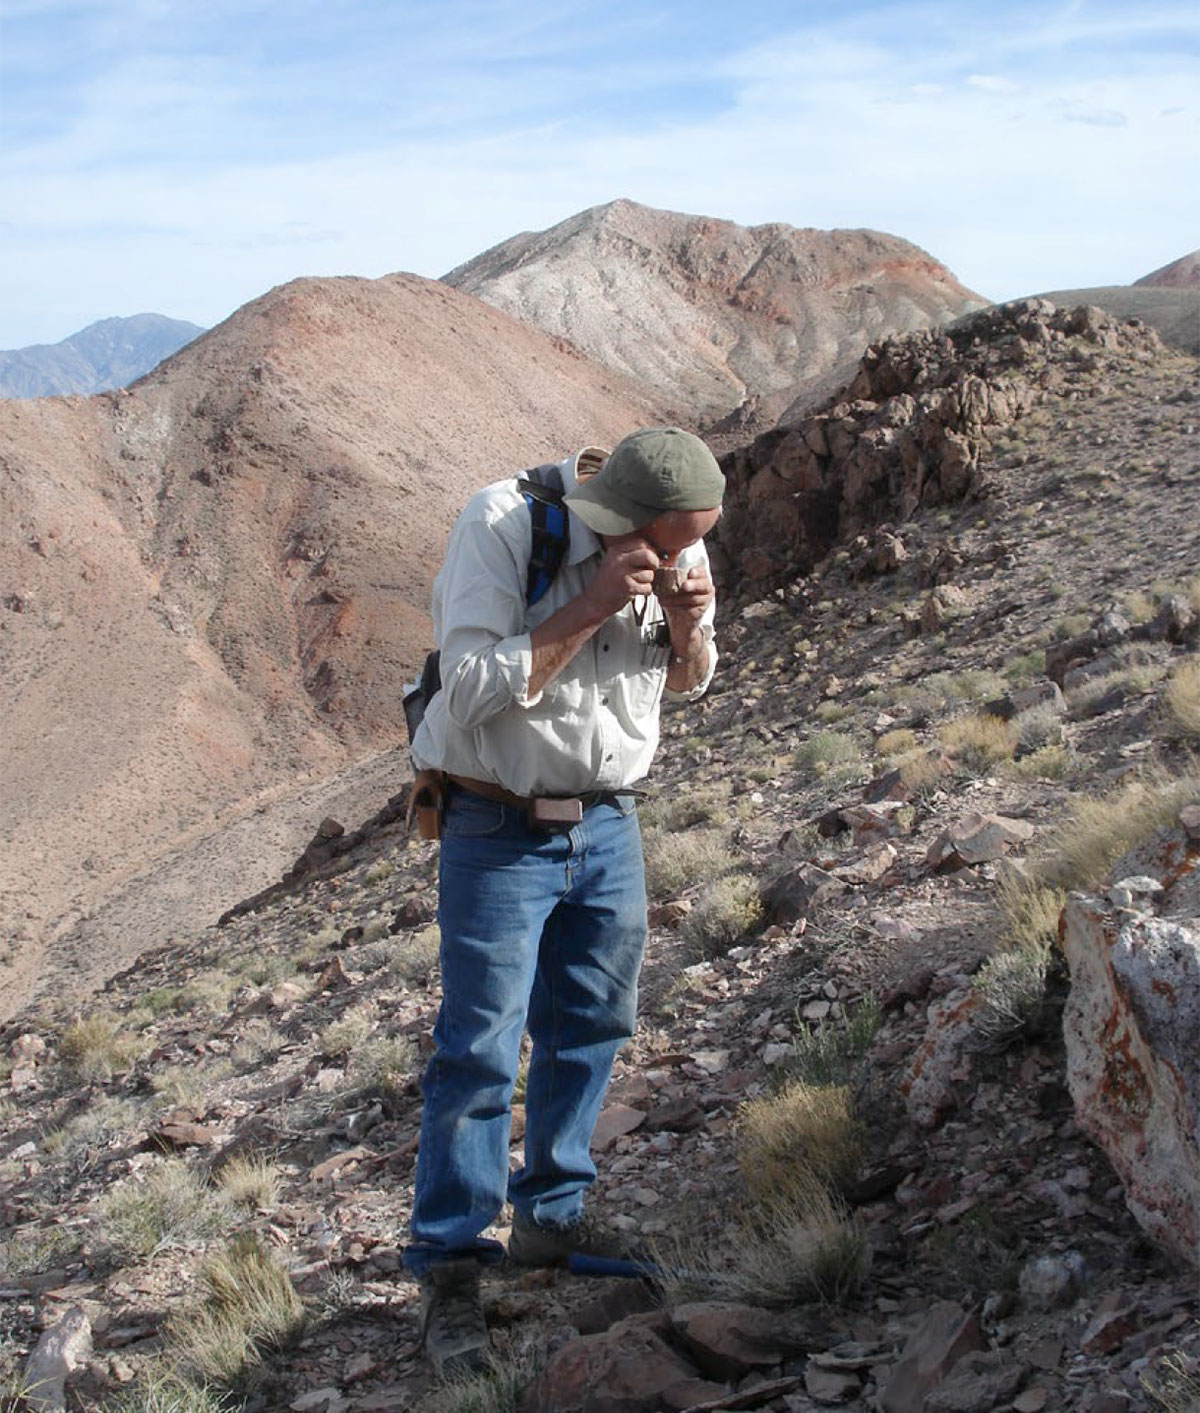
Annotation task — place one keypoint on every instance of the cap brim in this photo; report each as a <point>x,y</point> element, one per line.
<point>602,517</point>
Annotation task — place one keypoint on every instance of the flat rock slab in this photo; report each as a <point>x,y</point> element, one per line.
<point>932,1350</point>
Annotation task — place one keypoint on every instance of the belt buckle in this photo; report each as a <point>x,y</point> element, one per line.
<point>555,815</point>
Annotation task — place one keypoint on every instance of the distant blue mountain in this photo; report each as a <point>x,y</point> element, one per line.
<point>107,354</point>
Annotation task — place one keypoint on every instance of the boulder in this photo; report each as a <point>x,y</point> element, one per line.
<point>728,1341</point>
<point>934,1082</point>
<point>1132,1028</point>
<point>629,1368</point>
<point>795,893</point>
<point>975,839</point>
<point>939,1342</point>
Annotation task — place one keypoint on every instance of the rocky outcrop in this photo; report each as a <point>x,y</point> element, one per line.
<point>1132,1027</point>
<point>911,429</point>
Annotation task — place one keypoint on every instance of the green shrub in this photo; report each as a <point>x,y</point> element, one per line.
<point>674,862</point>
<point>726,911</point>
<point>814,757</point>
<point>832,1052</point>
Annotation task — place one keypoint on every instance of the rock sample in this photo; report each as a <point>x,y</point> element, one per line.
<point>1132,1026</point>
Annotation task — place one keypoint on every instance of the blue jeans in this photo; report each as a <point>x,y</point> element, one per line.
<point>539,930</point>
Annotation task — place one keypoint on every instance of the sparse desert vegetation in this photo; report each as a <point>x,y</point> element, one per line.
<point>220,1149</point>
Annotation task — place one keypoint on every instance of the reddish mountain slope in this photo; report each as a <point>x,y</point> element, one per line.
<point>705,313</point>
<point>213,585</point>
<point>1179,274</point>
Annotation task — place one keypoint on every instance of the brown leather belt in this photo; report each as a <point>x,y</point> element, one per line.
<point>488,791</point>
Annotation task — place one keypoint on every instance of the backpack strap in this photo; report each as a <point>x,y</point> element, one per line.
<point>543,491</point>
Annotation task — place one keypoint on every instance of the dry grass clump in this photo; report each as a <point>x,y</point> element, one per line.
<point>346,1033</point>
<point>799,1244</point>
<point>1174,1383</point>
<point>415,958</point>
<point>209,993</point>
<point>257,1043</point>
<point>498,1389</point>
<point>978,742</point>
<point>163,1391</point>
<point>810,1126</point>
<point>171,1207</point>
<point>725,912</point>
<point>94,1129</point>
<point>95,1048</point>
<point>1031,911</point>
<point>896,743</point>
<point>1048,763</point>
<point>1082,700</point>
<point>823,751</point>
<point>249,1305</point>
<point>684,810</point>
<point>381,1068</point>
<point>1138,607</point>
<point>922,773</point>
<point>1101,828</point>
<point>1183,699</point>
<point>674,862</point>
<point>252,1181</point>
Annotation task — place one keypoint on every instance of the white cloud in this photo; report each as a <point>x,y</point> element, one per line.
<point>1027,151</point>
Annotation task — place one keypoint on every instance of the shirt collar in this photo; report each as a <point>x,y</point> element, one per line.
<point>584,540</point>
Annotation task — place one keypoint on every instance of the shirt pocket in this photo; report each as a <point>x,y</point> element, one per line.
<point>643,688</point>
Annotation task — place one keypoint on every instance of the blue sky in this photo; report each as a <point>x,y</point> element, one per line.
<point>183,156</point>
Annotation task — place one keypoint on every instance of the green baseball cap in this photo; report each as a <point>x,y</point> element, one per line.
<point>649,473</point>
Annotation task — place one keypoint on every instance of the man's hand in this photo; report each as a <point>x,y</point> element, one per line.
<point>684,610</point>
<point>626,572</point>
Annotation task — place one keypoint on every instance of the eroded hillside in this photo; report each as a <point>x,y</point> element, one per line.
<point>846,1111</point>
<point>214,584</point>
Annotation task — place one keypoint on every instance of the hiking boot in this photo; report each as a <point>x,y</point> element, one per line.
<point>535,1244</point>
<point>453,1329</point>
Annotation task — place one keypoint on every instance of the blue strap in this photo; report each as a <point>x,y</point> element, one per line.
<point>543,492</point>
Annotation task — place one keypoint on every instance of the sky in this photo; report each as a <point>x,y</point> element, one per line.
<point>182,157</point>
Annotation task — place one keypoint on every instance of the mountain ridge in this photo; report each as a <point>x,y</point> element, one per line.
<point>706,313</point>
<point>107,354</point>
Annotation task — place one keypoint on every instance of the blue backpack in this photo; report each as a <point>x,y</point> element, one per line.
<point>542,488</point>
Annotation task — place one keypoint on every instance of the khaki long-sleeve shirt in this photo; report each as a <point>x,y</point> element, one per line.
<point>595,725</point>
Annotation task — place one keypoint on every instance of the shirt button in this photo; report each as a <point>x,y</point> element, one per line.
<point>605,645</point>
<point>603,701</point>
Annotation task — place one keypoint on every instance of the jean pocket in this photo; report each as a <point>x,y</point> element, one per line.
<point>471,817</point>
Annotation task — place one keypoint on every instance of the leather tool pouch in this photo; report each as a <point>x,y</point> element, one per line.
<point>553,815</point>
<point>426,803</point>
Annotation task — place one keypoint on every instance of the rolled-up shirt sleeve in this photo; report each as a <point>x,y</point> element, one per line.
<point>479,614</point>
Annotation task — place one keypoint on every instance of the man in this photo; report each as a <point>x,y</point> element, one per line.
<point>547,716</point>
